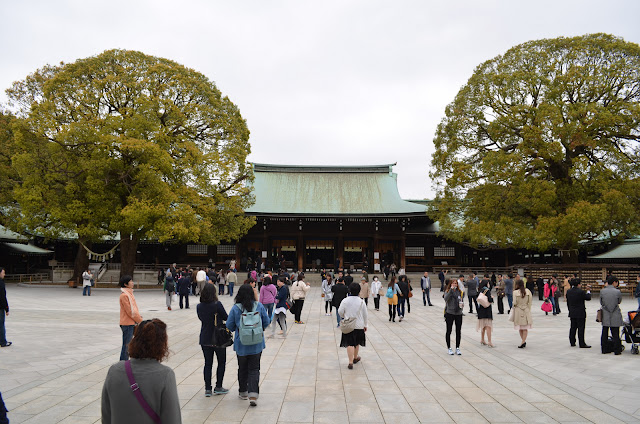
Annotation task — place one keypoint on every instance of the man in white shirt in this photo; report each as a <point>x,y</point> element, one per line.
<point>201,279</point>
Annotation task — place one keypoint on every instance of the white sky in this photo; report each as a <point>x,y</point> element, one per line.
<point>319,82</point>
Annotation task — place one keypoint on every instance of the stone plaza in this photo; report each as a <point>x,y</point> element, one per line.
<point>64,343</point>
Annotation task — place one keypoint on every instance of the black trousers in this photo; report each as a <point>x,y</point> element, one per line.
<point>328,306</point>
<point>473,298</point>
<point>540,292</point>
<point>376,301</point>
<point>186,299</point>
<point>3,412</point>
<point>450,319</point>
<point>249,374</point>
<point>500,305</point>
<point>208,352</point>
<point>392,311</point>
<point>298,308</point>
<point>615,335</point>
<point>426,298</point>
<point>577,325</point>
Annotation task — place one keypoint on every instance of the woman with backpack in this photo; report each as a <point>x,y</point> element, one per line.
<point>211,314</point>
<point>248,319</point>
<point>392,298</point>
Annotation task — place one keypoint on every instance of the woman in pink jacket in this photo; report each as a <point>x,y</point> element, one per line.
<point>550,293</point>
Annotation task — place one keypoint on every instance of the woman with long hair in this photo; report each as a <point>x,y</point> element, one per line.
<point>550,294</point>
<point>485,315</point>
<point>522,320</point>
<point>268,294</point>
<point>207,309</point>
<point>248,355</point>
<point>155,382</point>
<point>327,294</point>
<point>393,289</point>
<point>453,313</point>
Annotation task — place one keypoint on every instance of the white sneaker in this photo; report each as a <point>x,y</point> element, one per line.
<point>458,351</point>
<point>327,315</point>
<point>450,351</point>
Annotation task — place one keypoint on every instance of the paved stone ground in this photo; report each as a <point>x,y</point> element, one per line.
<point>64,344</point>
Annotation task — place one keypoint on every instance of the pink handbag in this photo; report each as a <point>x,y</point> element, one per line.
<point>546,306</point>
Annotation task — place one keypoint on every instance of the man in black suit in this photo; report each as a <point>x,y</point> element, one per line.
<point>577,312</point>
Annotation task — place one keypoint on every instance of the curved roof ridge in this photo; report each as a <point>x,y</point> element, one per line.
<point>267,167</point>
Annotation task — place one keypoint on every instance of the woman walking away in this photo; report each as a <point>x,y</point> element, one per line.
<point>299,291</point>
<point>522,320</point>
<point>268,294</point>
<point>156,396</point>
<point>392,298</point>
<point>249,318</point>
<point>211,314</point>
<point>376,287</point>
<point>485,314</point>
<point>280,312</point>
<point>327,294</point>
<point>169,289</point>
<point>354,307</point>
<point>453,313</point>
<point>403,295</point>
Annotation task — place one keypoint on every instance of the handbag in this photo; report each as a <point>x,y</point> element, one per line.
<point>410,294</point>
<point>174,297</point>
<point>512,315</point>
<point>483,300</point>
<point>221,336</point>
<point>347,325</point>
<point>599,315</point>
<point>136,391</point>
<point>381,292</point>
<point>546,306</point>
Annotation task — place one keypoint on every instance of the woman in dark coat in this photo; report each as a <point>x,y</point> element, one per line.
<point>208,307</point>
<point>485,317</point>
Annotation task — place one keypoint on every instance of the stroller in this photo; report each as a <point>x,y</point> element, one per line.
<point>631,330</point>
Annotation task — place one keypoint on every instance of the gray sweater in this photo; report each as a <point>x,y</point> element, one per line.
<point>157,384</point>
<point>452,299</point>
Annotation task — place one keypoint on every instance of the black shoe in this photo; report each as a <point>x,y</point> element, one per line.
<point>430,304</point>
<point>585,347</point>
<point>574,345</point>
<point>6,345</point>
<point>618,353</point>
<point>523,345</point>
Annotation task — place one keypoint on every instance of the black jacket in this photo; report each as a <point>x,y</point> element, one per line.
<point>485,312</point>
<point>340,292</point>
<point>4,304</point>
<point>206,313</point>
<point>404,288</point>
<point>575,302</point>
<point>184,284</point>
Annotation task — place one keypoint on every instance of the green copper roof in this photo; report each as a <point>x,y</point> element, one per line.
<point>328,190</point>
<point>629,249</point>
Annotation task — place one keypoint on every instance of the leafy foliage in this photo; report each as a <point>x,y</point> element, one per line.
<point>130,144</point>
<point>540,148</point>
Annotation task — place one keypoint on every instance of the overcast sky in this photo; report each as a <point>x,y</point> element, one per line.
<point>319,82</point>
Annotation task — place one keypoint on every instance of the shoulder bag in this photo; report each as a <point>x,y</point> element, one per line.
<point>221,336</point>
<point>136,391</point>
<point>483,300</point>
<point>347,325</point>
<point>599,315</point>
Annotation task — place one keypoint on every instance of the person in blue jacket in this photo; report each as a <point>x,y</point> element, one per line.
<point>248,355</point>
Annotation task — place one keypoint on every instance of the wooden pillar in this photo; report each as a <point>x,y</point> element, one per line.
<point>300,251</point>
<point>403,258</point>
<point>340,249</point>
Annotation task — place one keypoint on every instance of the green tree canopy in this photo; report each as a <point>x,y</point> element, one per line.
<point>540,148</point>
<point>130,144</point>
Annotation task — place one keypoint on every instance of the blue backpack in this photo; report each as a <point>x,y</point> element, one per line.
<point>250,329</point>
<point>389,292</point>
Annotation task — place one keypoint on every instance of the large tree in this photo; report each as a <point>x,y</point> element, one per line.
<point>133,146</point>
<point>540,148</point>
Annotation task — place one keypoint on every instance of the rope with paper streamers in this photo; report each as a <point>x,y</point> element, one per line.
<point>101,257</point>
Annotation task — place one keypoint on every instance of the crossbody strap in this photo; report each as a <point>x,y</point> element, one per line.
<point>138,394</point>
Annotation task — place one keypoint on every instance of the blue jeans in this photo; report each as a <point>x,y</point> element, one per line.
<point>401,300</point>
<point>221,354</point>
<point>86,290</point>
<point>3,412</point>
<point>231,289</point>
<point>338,317</point>
<point>510,300</point>
<point>127,335</point>
<point>425,297</point>
<point>3,333</point>
<point>269,308</point>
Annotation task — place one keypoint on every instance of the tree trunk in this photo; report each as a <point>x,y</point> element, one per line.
<point>81,262</point>
<point>128,249</point>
